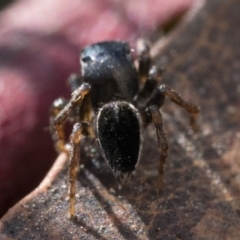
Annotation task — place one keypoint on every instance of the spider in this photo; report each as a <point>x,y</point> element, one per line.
<point>112,101</point>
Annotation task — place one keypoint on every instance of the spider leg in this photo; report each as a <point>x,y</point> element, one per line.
<point>153,78</point>
<point>156,118</point>
<point>58,119</point>
<point>163,91</point>
<point>153,114</point>
<point>57,136</point>
<point>74,156</point>
<point>74,82</point>
<point>144,59</point>
<point>148,76</point>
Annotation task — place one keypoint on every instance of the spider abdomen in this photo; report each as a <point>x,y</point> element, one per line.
<point>118,131</point>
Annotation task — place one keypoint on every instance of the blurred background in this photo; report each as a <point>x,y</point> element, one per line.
<point>5,3</point>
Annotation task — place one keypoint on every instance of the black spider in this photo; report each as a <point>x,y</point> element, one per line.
<point>112,102</point>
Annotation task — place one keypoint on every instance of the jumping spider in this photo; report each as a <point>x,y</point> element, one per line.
<point>112,102</point>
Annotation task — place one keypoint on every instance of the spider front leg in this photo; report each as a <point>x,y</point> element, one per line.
<point>58,119</point>
<point>60,111</point>
<point>57,136</point>
<point>74,156</point>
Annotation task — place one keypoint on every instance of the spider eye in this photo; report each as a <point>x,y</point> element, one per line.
<point>86,59</point>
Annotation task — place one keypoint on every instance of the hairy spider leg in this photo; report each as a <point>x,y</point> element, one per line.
<point>174,96</point>
<point>153,114</point>
<point>56,127</point>
<point>162,143</point>
<point>149,76</point>
<point>57,124</point>
<point>144,60</point>
<point>154,77</point>
<point>74,155</point>
<point>58,135</point>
